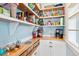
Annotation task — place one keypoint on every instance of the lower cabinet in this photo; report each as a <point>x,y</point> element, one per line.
<point>58,48</point>
<point>44,49</point>
<point>51,48</point>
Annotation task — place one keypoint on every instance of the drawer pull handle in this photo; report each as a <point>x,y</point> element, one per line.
<point>50,42</point>
<point>50,46</point>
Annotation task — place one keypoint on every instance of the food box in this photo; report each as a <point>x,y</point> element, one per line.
<point>1,10</point>
<point>4,11</point>
<point>9,9</point>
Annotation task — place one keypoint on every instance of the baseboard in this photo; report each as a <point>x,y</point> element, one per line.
<point>74,48</point>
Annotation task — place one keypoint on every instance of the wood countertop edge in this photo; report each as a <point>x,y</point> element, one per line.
<point>23,48</point>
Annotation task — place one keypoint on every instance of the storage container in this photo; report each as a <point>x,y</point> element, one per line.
<point>9,8</point>
<point>4,11</point>
<point>13,8</point>
<point>20,14</point>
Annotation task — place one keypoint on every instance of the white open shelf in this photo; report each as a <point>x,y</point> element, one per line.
<point>51,16</point>
<point>31,10</point>
<point>73,10</point>
<point>52,25</point>
<point>69,5</point>
<point>43,17</point>
<point>6,18</point>
<point>52,8</point>
<point>73,29</point>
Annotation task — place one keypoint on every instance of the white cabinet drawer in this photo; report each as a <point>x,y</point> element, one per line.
<point>44,49</point>
<point>58,48</point>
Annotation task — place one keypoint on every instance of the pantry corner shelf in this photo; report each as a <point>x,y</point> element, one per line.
<point>73,29</point>
<point>24,7</point>
<point>31,10</point>
<point>70,5</point>
<point>52,8</point>
<point>52,16</point>
<point>73,14</point>
<point>6,18</point>
<point>52,25</point>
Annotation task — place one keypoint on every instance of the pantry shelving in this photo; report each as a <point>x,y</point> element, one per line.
<point>32,11</point>
<point>21,8</point>
<point>52,12</point>
<point>73,29</point>
<point>50,8</point>
<point>25,7</point>
<point>70,5</point>
<point>51,16</point>
<point>73,14</point>
<point>6,18</point>
<point>24,28</point>
<point>52,25</point>
<point>72,11</point>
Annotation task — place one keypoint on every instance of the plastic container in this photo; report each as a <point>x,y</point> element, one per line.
<point>4,11</point>
<point>13,8</point>
<point>34,34</point>
<point>1,10</point>
<point>2,51</point>
<point>20,14</point>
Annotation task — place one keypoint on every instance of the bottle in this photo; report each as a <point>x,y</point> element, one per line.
<point>61,33</point>
<point>39,32</point>
<point>49,23</point>
<point>61,21</point>
<point>34,34</point>
<point>18,44</point>
<point>2,51</point>
<point>57,33</point>
<point>40,22</point>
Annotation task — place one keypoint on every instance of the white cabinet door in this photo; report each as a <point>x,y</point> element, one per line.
<point>44,49</point>
<point>51,48</point>
<point>51,44</point>
<point>58,48</point>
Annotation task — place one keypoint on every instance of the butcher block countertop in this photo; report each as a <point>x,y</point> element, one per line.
<point>19,51</point>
